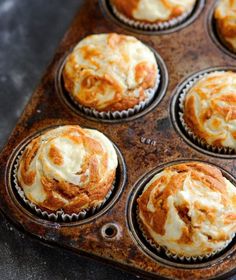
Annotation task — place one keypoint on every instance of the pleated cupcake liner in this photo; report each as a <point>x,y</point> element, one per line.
<point>157,247</point>
<point>196,139</point>
<point>60,214</point>
<point>198,258</point>
<point>125,113</point>
<point>138,24</point>
<point>177,257</point>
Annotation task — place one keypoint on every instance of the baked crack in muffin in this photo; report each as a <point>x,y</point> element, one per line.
<point>225,16</point>
<point>68,168</point>
<point>188,209</point>
<point>111,72</point>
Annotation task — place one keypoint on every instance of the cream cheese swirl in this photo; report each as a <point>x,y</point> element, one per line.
<point>190,209</point>
<point>110,72</point>
<point>210,109</point>
<point>68,168</point>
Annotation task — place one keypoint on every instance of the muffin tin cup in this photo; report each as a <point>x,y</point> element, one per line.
<point>125,113</point>
<point>201,142</point>
<point>155,96</point>
<point>215,34</point>
<point>161,253</point>
<point>151,26</point>
<point>141,27</point>
<point>60,214</point>
<point>179,115</point>
<point>177,257</point>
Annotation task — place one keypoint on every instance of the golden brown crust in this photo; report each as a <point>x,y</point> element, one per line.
<point>28,177</point>
<point>46,176</point>
<point>106,74</point>
<point>171,8</point>
<point>225,16</point>
<point>80,198</point>
<point>171,192</point>
<point>55,155</point>
<point>210,110</point>
<point>126,7</point>
<point>211,176</point>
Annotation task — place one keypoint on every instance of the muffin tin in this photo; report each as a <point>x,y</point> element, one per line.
<point>214,34</point>
<point>146,143</point>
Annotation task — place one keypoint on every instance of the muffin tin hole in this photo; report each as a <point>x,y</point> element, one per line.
<point>109,231</point>
<point>159,94</point>
<point>212,29</point>
<point>119,184</point>
<point>175,112</point>
<point>108,12</point>
<point>150,250</point>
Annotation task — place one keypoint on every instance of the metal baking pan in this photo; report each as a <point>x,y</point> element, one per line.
<point>145,143</point>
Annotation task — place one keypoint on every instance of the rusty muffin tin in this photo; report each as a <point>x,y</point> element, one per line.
<point>145,144</point>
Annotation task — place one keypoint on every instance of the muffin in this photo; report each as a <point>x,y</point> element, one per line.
<point>225,17</point>
<point>67,168</point>
<point>110,72</point>
<point>189,210</point>
<point>152,11</point>
<point>209,109</point>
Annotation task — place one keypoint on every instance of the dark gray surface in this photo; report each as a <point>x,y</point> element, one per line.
<point>29,33</point>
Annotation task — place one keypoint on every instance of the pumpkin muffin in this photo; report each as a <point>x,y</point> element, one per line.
<point>110,72</point>
<point>67,168</point>
<point>209,109</point>
<point>225,16</point>
<point>153,11</point>
<point>189,210</point>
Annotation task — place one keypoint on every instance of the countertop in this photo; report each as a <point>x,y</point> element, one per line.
<point>29,34</point>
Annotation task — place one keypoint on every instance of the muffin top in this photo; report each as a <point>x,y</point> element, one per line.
<point>153,11</point>
<point>189,208</point>
<point>225,15</point>
<point>67,168</point>
<point>110,72</point>
<point>210,109</point>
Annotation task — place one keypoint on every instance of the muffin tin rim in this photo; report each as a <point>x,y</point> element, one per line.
<point>133,232</point>
<point>199,6</point>
<point>173,106</point>
<point>213,34</point>
<point>117,191</point>
<point>159,95</point>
